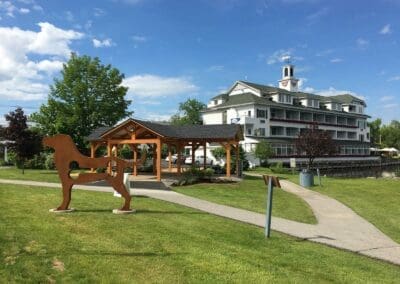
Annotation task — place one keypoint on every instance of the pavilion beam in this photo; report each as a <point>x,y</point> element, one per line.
<point>92,153</point>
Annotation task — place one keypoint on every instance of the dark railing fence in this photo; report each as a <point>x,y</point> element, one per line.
<point>353,168</point>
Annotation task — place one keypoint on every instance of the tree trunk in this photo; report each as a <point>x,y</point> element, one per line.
<point>23,167</point>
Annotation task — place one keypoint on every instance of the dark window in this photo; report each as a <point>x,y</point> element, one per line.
<point>249,113</point>
<point>261,113</point>
<point>291,72</point>
<point>224,117</point>
<point>249,131</point>
<point>286,72</point>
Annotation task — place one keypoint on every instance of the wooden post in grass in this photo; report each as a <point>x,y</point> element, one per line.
<point>270,181</point>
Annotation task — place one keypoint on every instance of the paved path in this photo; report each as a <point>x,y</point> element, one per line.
<point>338,225</point>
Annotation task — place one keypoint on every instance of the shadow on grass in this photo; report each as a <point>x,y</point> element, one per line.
<point>126,254</point>
<point>140,211</point>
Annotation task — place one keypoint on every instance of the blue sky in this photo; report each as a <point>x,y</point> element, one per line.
<point>172,50</point>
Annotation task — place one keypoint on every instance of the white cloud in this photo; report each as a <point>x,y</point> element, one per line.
<point>22,78</point>
<point>154,86</point>
<point>386,98</point>
<point>385,30</point>
<point>156,116</point>
<point>215,68</point>
<point>139,38</point>
<point>336,60</point>
<point>282,55</point>
<point>324,52</point>
<point>98,12</point>
<point>53,41</point>
<point>394,78</point>
<point>103,43</point>
<point>394,105</point>
<point>362,43</point>
<point>312,18</point>
<point>331,91</point>
<point>24,10</point>
<point>302,81</point>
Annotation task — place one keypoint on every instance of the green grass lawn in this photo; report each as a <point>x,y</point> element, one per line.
<point>162,242</point>
<point>251,194</point>
<point>377,200</point>
<point>35,175</point>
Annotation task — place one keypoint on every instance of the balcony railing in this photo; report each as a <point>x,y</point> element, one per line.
<point>311,122</point>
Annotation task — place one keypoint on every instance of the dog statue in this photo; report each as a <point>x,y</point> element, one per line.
<point>66,153</point>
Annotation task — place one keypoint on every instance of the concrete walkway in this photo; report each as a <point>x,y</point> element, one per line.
<point>338,225</point>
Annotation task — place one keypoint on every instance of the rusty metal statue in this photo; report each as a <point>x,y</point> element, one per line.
<point>66,153</point>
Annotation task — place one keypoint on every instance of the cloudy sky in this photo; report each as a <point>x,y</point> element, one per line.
<point>172,50</point>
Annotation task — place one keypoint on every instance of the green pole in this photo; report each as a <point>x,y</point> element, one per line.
<point>269,209</point>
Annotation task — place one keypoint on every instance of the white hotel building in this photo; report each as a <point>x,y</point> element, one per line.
<point>279,114</point>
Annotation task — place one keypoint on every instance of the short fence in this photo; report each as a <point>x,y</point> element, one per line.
<point>354,168</point>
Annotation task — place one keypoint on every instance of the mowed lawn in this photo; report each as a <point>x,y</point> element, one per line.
<point>162,242</point>
<point>377,200</point>
<point>35,175</point>
<point>251,194</point>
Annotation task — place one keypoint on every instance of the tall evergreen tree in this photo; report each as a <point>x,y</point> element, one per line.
<point>88,95</point>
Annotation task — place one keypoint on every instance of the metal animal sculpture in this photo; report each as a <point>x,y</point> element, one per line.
<point>66,153</point>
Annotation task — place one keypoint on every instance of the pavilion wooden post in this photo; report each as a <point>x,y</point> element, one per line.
<point>154,158</point>
<point>178,162</point>
<point>134,148</point>
<point>92,153</point>
<point>204,154</point>
<point>109,147</point>
<point>228,159</point>
<point>169,158</point>
<point>158,160</point>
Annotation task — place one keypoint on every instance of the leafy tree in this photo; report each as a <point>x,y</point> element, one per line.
<point>391,134</point>
<point>375,130</point>
<point>263,151</point>
<point>88,95</point>
<point>24,142</point>
<point>313,143</point>
<point>189,113</point>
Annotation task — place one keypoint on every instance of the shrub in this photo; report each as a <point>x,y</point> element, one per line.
<point>279,169</point>
<point>49,162</point>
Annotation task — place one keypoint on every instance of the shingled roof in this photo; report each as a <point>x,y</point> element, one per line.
<point>184,132</point>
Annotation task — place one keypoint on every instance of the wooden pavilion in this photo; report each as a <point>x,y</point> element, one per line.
<point>134,132</point>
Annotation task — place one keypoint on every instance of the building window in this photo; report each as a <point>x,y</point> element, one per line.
<point>248,131</point>
<point>291,131</point>
<point>249,113</point>
<point>286,72</point>
<point>224,117</point>
<point>261,131</point>
<point>262,113</point>
<point>215,102</point>
<point>291,72</point>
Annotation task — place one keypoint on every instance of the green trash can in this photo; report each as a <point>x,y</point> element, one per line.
<point>306,178</point>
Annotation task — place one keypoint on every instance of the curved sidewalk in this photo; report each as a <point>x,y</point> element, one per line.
<point>338,225</point>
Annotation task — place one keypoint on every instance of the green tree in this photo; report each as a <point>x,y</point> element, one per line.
<point>313,143</point>
<point>263,151</point>
<point>24,142</point>
<point>88,95</point>
<point>391,134</point>
<point>189,113</point>
<point>375,130</point>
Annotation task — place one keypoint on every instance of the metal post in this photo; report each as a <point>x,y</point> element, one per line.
<point>319,177</point>
<point>269,209</point>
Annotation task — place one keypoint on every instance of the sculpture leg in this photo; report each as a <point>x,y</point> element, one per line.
<point>121,189</point>
<point>67,187</point>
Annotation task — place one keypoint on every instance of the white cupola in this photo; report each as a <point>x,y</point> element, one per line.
<point>288,82</point>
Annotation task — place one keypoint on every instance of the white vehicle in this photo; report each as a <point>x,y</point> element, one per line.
<point>174,158</point>
<point>199,160</point>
